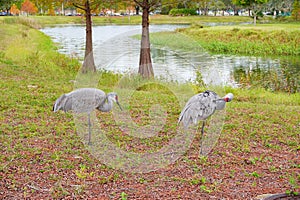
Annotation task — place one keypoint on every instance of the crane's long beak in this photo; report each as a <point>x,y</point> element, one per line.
<point>119,105</point>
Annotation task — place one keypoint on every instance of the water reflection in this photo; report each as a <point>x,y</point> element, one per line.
<point>116,50</point>
<point>284,78</point>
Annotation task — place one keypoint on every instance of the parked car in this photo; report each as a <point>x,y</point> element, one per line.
<point>5,14</point>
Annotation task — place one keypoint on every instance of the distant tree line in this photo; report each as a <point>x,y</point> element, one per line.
<point>187,7</point>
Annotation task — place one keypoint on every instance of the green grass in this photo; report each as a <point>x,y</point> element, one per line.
<point>261,40</point>
<point>43,157</point>
<point>154,19</point>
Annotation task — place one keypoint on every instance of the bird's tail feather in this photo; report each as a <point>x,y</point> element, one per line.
<point>185,122</point>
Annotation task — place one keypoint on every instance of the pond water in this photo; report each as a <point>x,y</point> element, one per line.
<point>116,50</point>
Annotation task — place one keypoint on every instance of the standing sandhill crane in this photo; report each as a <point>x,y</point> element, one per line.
<point>85,100</point>
<point>200,107</point>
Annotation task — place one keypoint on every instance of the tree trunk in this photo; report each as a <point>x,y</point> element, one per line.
<point>254,13</point>
<point>235,11</point>
<point>62,9</point>
<point>88,64</point>
<point>145,64</point>
<point>137,10</point>
<point>205,11</point>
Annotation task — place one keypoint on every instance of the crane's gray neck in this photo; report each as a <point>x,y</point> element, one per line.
<point>220,104</point>
<point>107,106</point>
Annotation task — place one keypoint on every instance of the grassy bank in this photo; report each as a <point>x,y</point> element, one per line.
<point>42,157</point>
<point>261,40</point>
<point>154,19</point>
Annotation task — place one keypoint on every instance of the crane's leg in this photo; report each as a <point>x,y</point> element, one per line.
<point>89,124</point>
<point>202,134</point>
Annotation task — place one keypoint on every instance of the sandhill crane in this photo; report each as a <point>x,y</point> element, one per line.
<point>200,107</point>
<point>85,100</point>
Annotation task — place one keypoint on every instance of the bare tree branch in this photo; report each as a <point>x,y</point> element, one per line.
<point>139,3</point>
<point>154,3</point>
<point>79,6</point>
<point>94,3</point>
<point>82,6</point>
<point>150,5</point>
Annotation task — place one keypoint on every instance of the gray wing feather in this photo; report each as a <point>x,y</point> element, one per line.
<point>199,107</point>
<point>80,100</point>
<point>68,103</point>
<point>87,99</point>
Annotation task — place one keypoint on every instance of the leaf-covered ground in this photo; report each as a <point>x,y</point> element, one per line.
<point>42,157</point>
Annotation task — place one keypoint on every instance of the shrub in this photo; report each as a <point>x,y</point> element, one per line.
<point>165,10</point>
<point>182,12</point>
<point>296,10</point>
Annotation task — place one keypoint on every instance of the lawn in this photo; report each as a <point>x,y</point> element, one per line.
<point>43,155</point>
<point>260,40</point>
<point>154,19</point>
